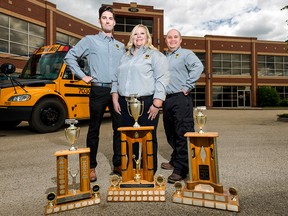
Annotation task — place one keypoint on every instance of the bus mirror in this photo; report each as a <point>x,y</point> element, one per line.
<point>7,68</point>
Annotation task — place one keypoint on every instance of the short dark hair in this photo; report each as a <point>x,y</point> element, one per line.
<point>106,8</point>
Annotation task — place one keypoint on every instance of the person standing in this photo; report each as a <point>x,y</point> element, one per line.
<point>103,53</point>
<point>185,69</point>
<point>143,71</point>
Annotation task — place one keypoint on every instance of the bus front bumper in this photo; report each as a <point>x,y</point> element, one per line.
<point>15,113</point>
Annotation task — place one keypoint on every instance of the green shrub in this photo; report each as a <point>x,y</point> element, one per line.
<point>268,96</point>
<point>284,102</point>
<point>283,115</point>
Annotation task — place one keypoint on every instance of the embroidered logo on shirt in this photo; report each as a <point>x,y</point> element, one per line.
<point>147,56</point>
<point>177,55</point>
<point>117,46</point>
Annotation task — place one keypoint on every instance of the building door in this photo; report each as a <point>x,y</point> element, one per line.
<point>243,98</point>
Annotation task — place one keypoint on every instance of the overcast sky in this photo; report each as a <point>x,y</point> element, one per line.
<point>263,19</point>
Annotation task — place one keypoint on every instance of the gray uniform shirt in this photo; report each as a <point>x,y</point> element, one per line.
<point>144,74</point>
<point>102,53</point>
<point>185,69</point>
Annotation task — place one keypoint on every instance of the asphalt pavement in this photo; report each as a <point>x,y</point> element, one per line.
<point>252,156</point>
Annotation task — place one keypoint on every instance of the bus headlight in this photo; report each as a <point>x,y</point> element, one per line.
<point>23,97</point>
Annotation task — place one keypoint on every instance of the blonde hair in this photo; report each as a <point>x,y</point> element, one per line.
<point>149,39</point>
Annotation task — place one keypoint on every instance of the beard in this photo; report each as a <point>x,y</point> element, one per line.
<point>107,28</point>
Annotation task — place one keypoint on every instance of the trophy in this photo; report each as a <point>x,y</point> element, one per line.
<point>160,180</point>
<point>233,192</point>
<point>51,197</point>
<point>200,118</point>
<point>115,181</point>
<point>72,132</point>
<point>73,175</point>
<point>178,187</point>
<point>135,108</point>
<point>137,176</point>
<point>95,191</point>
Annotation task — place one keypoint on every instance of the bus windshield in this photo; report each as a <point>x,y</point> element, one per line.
<point>44,66</point>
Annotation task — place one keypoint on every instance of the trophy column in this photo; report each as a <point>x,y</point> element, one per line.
<point>203,187</point>
<point>138,182</point>
<point>128,139</point>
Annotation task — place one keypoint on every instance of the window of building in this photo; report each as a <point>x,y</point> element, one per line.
<point>282,91</point>
<point>19,37</point>
<point>231,96</point>
<point>202,57</point>
<point>66,39</point>
<point>231,64</point>
<point>126,24</point>
<point>272,65</point>
<point>198,96</point>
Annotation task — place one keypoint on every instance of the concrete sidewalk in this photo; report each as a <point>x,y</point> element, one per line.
<point>252,154</point>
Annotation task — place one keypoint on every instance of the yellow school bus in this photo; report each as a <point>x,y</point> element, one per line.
<point>46,92</point>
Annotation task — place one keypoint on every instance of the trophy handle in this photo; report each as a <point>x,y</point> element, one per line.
<point>142,107</point>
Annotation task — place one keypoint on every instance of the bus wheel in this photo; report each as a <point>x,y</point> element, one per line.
<point>48,116</point>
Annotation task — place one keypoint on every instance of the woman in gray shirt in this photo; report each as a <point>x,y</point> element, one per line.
<point>143,71</point>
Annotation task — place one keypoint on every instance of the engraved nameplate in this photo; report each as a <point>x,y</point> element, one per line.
<point>204,172</point>
<point>73,198</point>
<point>136,185</point>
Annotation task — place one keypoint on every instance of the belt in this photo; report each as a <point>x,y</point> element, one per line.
<point>138,98</point>
<point>108,85</point>
<point>173,94</point>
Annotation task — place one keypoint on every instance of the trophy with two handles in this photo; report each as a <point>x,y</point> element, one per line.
<point>75,195</point>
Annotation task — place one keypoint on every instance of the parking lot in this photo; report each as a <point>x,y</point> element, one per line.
<point>252,155</point>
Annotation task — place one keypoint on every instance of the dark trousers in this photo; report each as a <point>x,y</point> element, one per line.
<point>100,98</point>
<point>127,121</point>
<point>178,119</point>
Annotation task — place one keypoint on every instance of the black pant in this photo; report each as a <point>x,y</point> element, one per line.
<point>100,98</point>
<point>178,119</point>
<point>127,120</point>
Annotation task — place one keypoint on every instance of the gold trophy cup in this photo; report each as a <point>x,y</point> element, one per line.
<point>200,118</point>
<point>135,108</point>
<point>72,132</point>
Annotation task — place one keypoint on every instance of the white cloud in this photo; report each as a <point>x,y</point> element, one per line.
<point>249,18</point>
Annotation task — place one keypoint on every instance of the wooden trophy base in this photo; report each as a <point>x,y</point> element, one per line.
<point>204,195</point>
<point>55,208</point>
<point>132,191</point>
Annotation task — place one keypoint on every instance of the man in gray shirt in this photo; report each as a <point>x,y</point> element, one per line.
<point>185,69</point>
<point>103,54</point>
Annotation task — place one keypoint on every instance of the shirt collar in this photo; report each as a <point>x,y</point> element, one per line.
<point>142,49</point>
<point>173,52</point>
<point>103,36</point>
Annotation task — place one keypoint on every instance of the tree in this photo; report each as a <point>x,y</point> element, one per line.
<point>284,8</point>
<point>268,97</point>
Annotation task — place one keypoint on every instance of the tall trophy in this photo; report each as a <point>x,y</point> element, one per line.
<point>74,195</point>
<point>200,118</point>
<point>72,132</point>
<point>135,108</point>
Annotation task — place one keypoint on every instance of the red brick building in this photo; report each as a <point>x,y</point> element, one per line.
<point>235,67</point>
